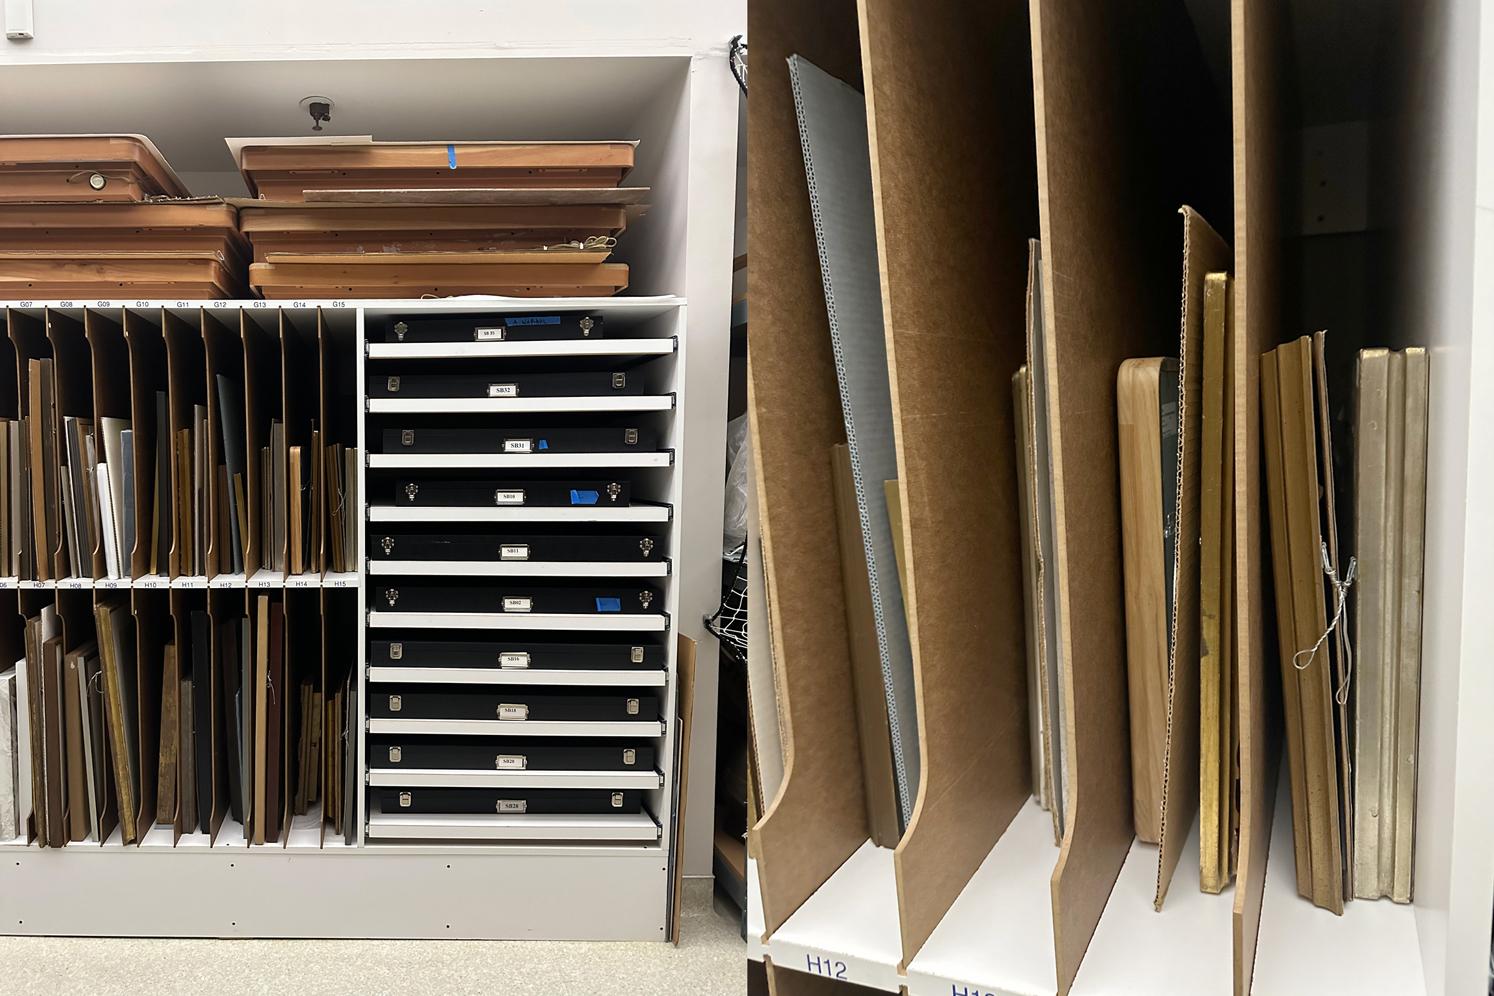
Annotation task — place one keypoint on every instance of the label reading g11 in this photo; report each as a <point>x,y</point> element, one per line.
<point>828,967</point>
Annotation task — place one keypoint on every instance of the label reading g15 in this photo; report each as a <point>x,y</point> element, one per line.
<point>828,967</point>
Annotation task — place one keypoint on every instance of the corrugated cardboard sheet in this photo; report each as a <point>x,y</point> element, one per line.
<point>832,130</point>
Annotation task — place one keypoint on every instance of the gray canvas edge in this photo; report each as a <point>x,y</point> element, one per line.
<point>837,166</point>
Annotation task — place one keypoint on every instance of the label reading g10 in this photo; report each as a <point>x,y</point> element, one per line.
<point>828,967</point>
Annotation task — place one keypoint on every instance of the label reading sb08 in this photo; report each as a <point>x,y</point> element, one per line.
<point>508,497</point>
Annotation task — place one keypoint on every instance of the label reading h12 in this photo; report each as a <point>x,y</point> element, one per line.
<point>828,967</point>
<point>958,990</point>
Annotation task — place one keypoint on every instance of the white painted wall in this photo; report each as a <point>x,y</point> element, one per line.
<point>690,236</point>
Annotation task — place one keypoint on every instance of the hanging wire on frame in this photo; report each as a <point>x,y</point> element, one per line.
<point>736,56</point>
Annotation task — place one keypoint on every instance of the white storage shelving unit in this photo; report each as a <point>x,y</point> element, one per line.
<point>601,876</point>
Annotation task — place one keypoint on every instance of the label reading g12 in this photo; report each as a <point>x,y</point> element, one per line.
<point>828,967</point>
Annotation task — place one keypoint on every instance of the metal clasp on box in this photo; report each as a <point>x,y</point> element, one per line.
<point>393,385</point>
<point>630,437</point>
<point>405,800</point>
<point>619,381</point>
<point>617,800</point>
<point>396,651</point>
<point>400,328</point>
<point>632,707</point>
<point>637,655</point>
<point>630,756</point>
<point>407,437</point>
<point>396,703</point>
<point>396,755</point>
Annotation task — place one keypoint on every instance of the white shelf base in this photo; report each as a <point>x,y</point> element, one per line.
<point>416,826</point>
<point>512,350</point>
<point>1186,948</point>
<point>1372,950</point>
<point>607,622</point>
<point>756,926</point>
<point>442,892</point>
<point>998,935</point>
<point>524,728</point>
<point>652,678</point>
<point>261,579</point>
<point>520,406</point>
<point>526,461</point>
<point>848,930</point>
<point>521,513</point>
<point>520,568</point>
<point>469,778</point>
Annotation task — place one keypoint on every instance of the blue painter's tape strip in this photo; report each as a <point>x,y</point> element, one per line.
<point>513,320</point>
<point>451,157</point>
<point>584,497</point>
<point>609,605</point>
<point>544,444</point>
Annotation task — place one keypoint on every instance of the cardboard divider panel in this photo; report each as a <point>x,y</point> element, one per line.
<point>340,757</point>
<point>224,353</point>
<point>186,368</point>
<point>153,630</point>
<point>952,244</point>
<point>261,407</point>
<point>149,403</point>
<point>72,374</point>
<point>28,338</point>
<point>225,608</point>
<point>110,356</point>
<point>1101,72</point>
<point>300,392</point>
<point>1259,47</point>
<point>818,818</point>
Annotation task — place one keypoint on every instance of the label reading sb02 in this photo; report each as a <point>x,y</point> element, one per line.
<point>517,603</point>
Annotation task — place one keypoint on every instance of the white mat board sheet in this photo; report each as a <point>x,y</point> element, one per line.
<point>837,164</point>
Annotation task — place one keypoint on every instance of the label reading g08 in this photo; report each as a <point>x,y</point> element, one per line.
<point>828,967</point>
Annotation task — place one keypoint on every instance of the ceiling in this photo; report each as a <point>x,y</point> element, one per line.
<point>188,108</point>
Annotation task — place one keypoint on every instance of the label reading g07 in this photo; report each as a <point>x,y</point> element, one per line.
<point>828,967</point>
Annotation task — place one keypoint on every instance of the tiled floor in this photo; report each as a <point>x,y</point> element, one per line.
<point>711,961</point>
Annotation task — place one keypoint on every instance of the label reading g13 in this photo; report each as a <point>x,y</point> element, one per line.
<point>828,967</point>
